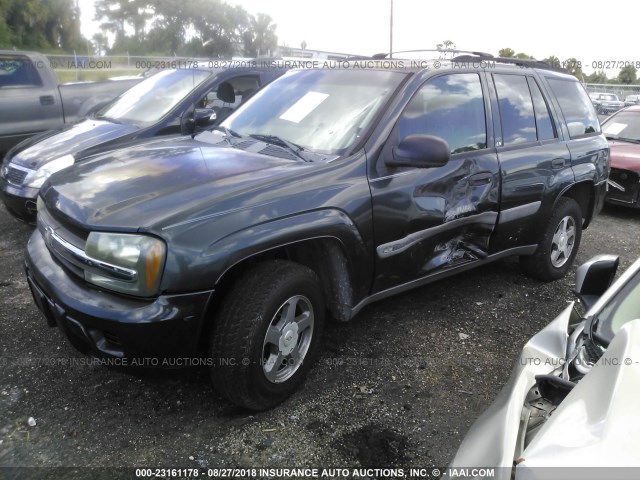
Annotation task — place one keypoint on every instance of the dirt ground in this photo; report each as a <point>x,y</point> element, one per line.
<point>398,386</point>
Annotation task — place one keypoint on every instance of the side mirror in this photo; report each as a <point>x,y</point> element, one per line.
<point>420,151</point>
<point>594,277</point>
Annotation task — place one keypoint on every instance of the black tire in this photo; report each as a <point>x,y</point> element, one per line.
<point>243,356</point>
<point>555,254</point>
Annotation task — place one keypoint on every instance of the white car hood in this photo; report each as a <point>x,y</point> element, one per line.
<point>597,424</point>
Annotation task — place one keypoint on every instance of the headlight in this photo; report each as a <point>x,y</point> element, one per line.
<point>125,263</point>
<point>36,178</point>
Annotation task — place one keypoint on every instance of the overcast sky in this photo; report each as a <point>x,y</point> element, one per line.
<point>543,28</point>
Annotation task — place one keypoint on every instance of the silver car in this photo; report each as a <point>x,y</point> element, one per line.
<point>574,394</point>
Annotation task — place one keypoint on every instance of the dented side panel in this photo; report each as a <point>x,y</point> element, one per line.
<point>431,219</point>
<point>533,176</point>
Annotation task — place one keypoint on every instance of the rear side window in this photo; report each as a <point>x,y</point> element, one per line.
<point>516,109</point>
<point>546,131</point>
<point>450,107</point>
<point>576,107</point>
<point>18,71</point>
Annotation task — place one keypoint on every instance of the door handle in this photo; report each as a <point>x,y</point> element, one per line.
<point>47,100</point>
<point>482,178</point>
<point>557,163</point>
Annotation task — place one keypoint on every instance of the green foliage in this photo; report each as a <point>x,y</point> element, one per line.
<point>573,66</point>
<point>139,27</point>
<point>209,28</point>
<point>506,53</point>
<point>596,77</point>
<point>260,38</point>
<point>446,45</point>
<point>627,75</point>
<point>41,24</point>
<point>553,61</point>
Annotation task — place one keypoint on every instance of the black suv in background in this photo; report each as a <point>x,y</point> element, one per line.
<point>170,102</point>
<point>328,190</point>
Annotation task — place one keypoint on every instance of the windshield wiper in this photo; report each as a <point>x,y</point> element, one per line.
<point>281,142</point>
<point>629,140</point>
<point>621,139</point>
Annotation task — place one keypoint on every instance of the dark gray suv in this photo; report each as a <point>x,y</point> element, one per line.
<point>330,189</point>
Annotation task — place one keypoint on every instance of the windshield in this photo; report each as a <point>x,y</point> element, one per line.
<point>148,101</point>
<point>624,125</point>
<point>623,308</point>
<point>609,96</point>
<point>322,111</point>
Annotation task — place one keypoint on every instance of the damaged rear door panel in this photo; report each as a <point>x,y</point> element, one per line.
<point>535,162</point>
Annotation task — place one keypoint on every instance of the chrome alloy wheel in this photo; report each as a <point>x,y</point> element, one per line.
<point>288,338</point>
<point>563,241</point>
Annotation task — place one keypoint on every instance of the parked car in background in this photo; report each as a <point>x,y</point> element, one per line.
<point>623,132</point>
<point>632,100</point>
<point>606,103</point>
<point>32,100</point>
<point>328,190</point>
<point>572,398</point>
<point>181,101</point>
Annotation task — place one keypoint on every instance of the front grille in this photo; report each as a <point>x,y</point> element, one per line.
<point>112,339</point>
<point>630,181</point>
<point>47,224</point>
<point>16,176</point>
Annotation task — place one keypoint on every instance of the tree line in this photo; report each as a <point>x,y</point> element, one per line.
<point>210,28</point>
<point>41,25</point>
<point>626,76</point>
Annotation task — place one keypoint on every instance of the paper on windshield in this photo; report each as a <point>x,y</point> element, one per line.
<point>615,128</point>
<point>304,106</point>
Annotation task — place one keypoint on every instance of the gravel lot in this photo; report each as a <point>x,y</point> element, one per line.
<point>395,387</point>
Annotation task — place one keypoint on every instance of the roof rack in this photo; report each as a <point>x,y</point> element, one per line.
<point>521,62</point>
<point>438,50</point>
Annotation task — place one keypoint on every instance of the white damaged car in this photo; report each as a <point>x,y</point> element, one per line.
<point>573,400</point>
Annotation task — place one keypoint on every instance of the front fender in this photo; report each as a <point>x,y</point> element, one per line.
<point>222,254</point>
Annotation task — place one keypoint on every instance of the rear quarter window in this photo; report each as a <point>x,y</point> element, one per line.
<point>18,71</point>
<point>576,107</point>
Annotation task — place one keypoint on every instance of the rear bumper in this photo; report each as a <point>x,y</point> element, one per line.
<point>148,330</point>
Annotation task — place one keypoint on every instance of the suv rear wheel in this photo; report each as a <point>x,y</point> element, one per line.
<point>267,334</point>
<point>559,244</point>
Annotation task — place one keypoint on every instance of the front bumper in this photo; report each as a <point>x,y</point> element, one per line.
<point>608,108</point>
<point>630,182</point>
<point>109,325</point>
<point>20,201</point>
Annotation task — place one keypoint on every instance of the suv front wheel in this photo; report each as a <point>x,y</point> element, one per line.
<point>267,334</point>
<point>559,244</point>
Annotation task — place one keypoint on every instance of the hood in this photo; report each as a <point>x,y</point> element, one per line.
<point>69,139</point>
<point>597,424</point>
<point>625,156</point>
<point>154,183</point>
